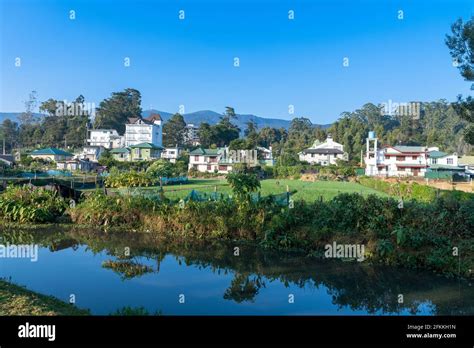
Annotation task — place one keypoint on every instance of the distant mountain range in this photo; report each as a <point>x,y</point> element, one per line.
<point>199,117</point>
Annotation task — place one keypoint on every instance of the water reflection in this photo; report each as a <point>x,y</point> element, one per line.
<point>354,286</point>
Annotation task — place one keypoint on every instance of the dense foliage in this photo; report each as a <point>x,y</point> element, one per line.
<point>413,190</point>
<point>24,204</point>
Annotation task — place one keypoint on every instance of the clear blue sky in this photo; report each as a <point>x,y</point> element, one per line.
<point>190,61</point>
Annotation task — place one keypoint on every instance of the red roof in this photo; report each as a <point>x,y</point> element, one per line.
<point>153,117</point>
<point>411,165</point>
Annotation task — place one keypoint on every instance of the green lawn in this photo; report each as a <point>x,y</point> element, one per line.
<point>308,191</point>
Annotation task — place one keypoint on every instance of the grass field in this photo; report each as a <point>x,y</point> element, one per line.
<point>308,191</point>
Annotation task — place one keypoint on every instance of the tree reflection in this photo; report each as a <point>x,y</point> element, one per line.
<point>243,288</point>
<point>373,289</point>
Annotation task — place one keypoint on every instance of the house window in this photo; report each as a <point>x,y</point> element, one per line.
<point>196,158</point>
<point>400,158</point>
<point>137,152</point>
<point>414,157</point>
<point>449,160</point>
<point>209,167</point>
<point>223,168</point>
<point>434,160</point>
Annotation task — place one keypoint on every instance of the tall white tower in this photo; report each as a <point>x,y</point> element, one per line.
<point>371,155</point>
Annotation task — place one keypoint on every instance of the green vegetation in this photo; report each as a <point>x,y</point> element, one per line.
<point>25,204</point>
<point>413,190</point>
<point>420,235</point>
<point>16,300</point>
<point>461,48</point>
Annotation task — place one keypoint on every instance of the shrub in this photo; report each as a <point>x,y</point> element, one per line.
<point>24,204</point>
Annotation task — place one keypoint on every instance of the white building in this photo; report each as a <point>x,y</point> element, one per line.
<point>191,136</point>
<point>206,160</point>
<point>402,160</point>
<point>436,157</point>
<point>144,130</point>
<point>325,153</point>
<point>107,138</point>
<point>171,153</point>
<point>222,160</point>
<point>91,153</point>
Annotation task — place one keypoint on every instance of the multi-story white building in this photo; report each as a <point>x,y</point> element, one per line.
<point>191,136</point>
<point>325,153</point>
<point>402,160</point>
<point>107,138</point>
<point>144,130</point>
<point>206,160</point>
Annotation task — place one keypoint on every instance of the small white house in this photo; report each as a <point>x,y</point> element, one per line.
<point>91,153</point>
<point>206,160</point>
<point>107,138</point>
<point>325,153</point>
<point>171,153</point>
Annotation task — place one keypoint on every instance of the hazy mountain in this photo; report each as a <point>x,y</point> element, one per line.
<point>213,117</point>
<point>11,115</point>
<point>197,118</point>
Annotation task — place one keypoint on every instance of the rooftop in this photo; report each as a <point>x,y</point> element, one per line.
<point>145,146</point>
<point>205,152</point>
<point>51,151</point>
<point>324,151</point>
<point>437,154</point>
<point>120,150</point>
<point>410,149</point>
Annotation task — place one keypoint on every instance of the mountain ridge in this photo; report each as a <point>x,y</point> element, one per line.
<point>198,117</point>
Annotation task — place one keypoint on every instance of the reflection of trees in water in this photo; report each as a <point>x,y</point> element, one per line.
<point>244,287</point>
<point>127,269</point>
<point>357,286</point>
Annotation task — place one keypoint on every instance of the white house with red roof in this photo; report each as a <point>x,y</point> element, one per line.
<point>401,160</point>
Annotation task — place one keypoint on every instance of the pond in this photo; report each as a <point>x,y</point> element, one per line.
<point>109,271</point>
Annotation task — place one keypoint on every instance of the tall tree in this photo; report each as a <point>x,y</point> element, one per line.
<point>206,134</point>
<point>113,112</point>
<point>27,117</point>
<point>173,131</point>
<point>8,135</point>
<point>461,47</point>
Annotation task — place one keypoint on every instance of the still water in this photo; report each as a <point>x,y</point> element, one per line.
<point>108,271</point>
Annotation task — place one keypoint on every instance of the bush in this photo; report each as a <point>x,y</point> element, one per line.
<point>24,204</point>
<point>99,209</point>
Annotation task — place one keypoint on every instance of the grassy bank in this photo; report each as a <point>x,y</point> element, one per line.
<point>16,300</point>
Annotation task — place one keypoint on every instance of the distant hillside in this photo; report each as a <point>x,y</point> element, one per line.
<point>213,117</point>
<point>197,118</point>
<point>14,116</point>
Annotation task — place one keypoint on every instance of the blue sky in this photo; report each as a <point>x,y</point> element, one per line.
<point>190,62</point>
